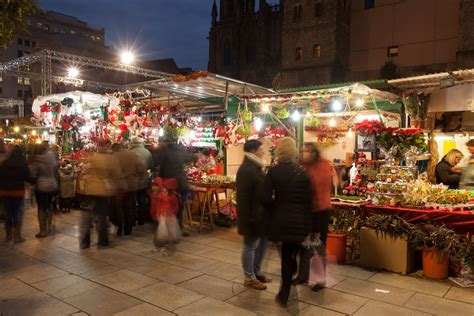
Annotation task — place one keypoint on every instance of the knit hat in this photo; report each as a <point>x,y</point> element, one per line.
<point>285,149</point>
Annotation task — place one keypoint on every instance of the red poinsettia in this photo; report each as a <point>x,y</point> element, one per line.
<point>369,127</point>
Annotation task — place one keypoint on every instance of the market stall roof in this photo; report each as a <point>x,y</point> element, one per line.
<point>435,81</point>
<point>356,89</point>
<point>202,85</point>
<point>380,84</point>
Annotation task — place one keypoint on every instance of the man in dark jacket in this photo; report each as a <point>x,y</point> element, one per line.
<point>250,214</point>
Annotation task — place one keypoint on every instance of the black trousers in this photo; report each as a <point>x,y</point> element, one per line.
<point>123,212</point>
<point>99,214</point>
<point>142,206</point>
<point>320,225</point>
<point>289,251</point>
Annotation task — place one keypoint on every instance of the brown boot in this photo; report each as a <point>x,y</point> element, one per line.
<point>8,229</point>
<point>17,236</point>
<point>254,284</point>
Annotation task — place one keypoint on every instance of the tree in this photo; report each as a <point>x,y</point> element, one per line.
<point>13,14</point>
<point>389,70</point>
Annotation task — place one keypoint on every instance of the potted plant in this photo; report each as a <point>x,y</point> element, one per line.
<point>436,243</point>
<point>384,244</point>
<point>344,221</point>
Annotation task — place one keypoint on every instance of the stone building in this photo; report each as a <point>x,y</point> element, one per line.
<point>244,44</point>
<point>328,41</point>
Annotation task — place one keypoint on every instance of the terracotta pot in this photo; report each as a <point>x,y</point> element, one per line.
<point>414,123</point>
<point>435,266</point>
<point>336,247</point>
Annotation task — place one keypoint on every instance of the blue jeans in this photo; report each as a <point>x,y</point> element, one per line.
<point>252,255</point>
<point>13,211</point>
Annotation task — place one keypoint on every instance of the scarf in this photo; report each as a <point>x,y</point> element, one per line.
<point>259,162</point>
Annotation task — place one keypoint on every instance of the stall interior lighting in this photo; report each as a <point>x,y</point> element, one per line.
<point>296,116</point>
<point>350,133</point>
<point>16,129</point>
<point>360,103</point>
<point>265,108</point>
<point>336,106</point>
<point>332,122</point>
<point>33,133</point>
<point>258,123</point>
<point>161,132</point>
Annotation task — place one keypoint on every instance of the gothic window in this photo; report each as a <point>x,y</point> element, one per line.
<point>227,58</point>
<point>369,4</point>
<point>251,53</point>
<point>298,53</point>
<point>316,51</point>
<point>318,8</point>
<point>297,9</point>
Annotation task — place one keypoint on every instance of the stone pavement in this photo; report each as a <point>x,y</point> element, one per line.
<point>53,277</point>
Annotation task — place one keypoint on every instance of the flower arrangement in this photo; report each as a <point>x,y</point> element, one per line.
<point>369,127</point>
<point>404,138</point>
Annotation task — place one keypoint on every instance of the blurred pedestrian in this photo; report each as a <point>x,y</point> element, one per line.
<point>42,170</point>
<point>467,178</point>
<point>322,175</point>
<point>287,196</point>
<point>13,175</point>
<point>170,161</point>
<point>250,214</point>
<point>67,182</point>
<point>132,171</point>
<point>145,156</point>
<point>102,186</point>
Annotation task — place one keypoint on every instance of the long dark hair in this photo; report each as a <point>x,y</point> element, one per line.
<point>314,151</point>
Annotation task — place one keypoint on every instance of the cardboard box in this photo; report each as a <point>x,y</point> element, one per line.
<point>382,251</point>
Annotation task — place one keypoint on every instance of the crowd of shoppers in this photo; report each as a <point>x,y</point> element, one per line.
<point>286,204</point>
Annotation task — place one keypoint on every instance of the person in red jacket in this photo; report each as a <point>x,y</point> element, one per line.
<point>322,176</point>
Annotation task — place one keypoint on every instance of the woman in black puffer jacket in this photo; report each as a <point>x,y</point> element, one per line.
<point>287,197</point>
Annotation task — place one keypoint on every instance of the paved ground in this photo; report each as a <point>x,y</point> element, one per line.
<point>53,277</point>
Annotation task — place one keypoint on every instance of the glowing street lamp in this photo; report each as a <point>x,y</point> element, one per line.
<point>72,72</point>
<point>127,57</point>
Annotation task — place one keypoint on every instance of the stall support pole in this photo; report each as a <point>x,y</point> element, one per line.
<point>226,96</point>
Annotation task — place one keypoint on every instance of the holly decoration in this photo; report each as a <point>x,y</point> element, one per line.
<point>246,116</point>
<point>282,114</point>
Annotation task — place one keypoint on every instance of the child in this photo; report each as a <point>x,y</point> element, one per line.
<point>68,188</point>
<point>164,208</point>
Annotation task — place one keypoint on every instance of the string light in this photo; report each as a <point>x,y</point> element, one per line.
<point>336,106</point>
<point>258,123</point>
<point>359,103</point>
<point>296,116</point>
<point>265,108</point>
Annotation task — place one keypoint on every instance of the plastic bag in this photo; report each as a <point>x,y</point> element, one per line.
<point>168,231</point>
<point>313,242</point>
<point>161,236</point>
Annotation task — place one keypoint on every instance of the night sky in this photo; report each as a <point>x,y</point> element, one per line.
<point>155,29</point>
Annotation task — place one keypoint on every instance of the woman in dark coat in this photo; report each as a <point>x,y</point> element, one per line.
<point>445,171</point>
<point>287,196</point>
<point>13,174</point>
<point>250,214</point>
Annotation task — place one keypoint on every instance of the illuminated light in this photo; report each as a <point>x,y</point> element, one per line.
<point>25,136</point>
<point>38,141</point>
<point>84,129</point>
<point>127,57</point>
<point>296,116</point>
<point>146,130</point>
<point>258,123</point>
<point>265,108</point>
<point>192,134</point>
<point>336,106</point>
<point>45,134</point>
<point>369,117</point>
<point>360,103</point>
<point>350,133</point>
<point>161,132</point>
<point>72,72</point>
<point>308,114</point>
<point>7,121</point>
<point>79,109</point>
<point>332,122</point>
<point>16,129</point>
<point>33,133</point>
<point>199,119</point>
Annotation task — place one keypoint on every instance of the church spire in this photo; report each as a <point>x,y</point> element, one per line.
<point>214,14</point>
